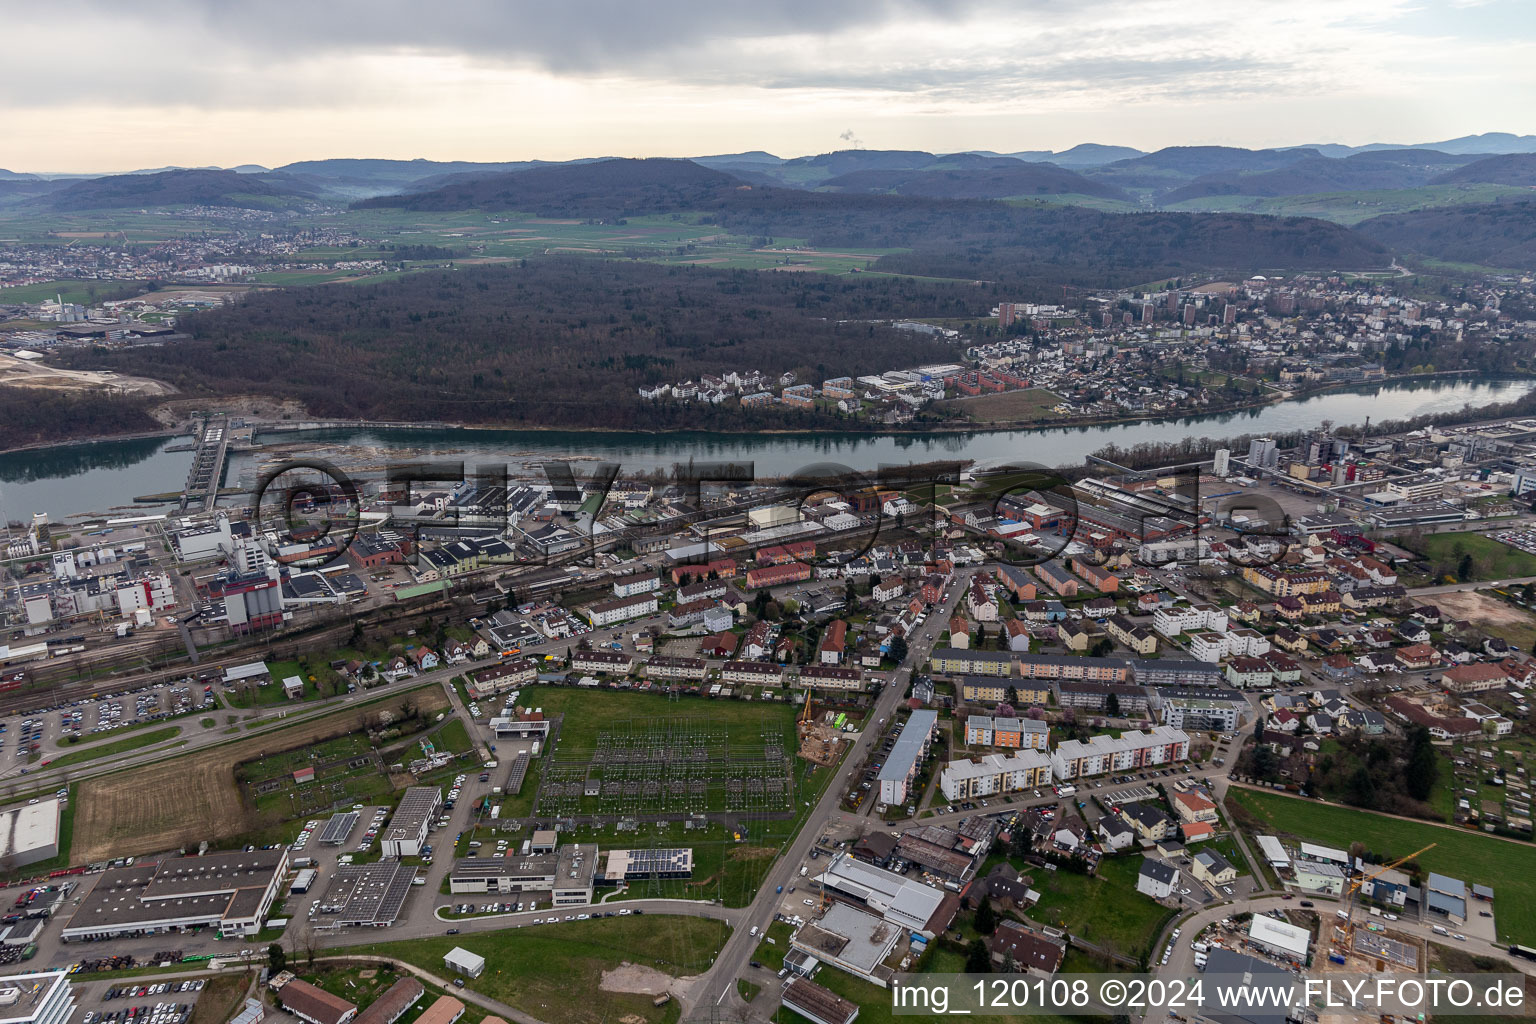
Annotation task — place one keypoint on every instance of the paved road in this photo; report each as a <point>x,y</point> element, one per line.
<point>719,983</point>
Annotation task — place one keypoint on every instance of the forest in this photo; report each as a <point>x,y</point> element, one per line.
<point>1034,246</point>
<point>37,415</point>
<point>551,342</point>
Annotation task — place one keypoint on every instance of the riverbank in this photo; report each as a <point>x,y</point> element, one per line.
<point>66,480</point>
<point>853,428</point>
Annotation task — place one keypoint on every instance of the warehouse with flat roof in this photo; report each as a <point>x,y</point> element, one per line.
<point>407,831</point>
<point>30,833</point>
<point>228,891</point>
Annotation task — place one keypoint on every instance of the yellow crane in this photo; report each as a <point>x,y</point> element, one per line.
<point>805,715</point>
<point>1354,887</point>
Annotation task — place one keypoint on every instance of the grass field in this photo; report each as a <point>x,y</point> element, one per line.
<point>220,997</point>
<point>1509,867</point>
<point>1105,909</point>
<point>1491,559</point>
<point>184,800</point>
<point>1006,406</point>
<point>82,292</point>
<point>555,972</point>
<point>1353,207</point>
<point>127,743</point>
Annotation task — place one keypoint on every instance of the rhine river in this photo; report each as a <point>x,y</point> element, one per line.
<point>97,476</point>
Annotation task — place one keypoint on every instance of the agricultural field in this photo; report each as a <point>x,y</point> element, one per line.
<point>1508,866</point>
<point>1006,406</point>
<point>584,973</point>
<point>1354,207</point>
<point>185,800</point>
<point>81,292</point>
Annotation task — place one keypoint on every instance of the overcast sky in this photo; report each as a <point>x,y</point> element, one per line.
<point>99,85</point>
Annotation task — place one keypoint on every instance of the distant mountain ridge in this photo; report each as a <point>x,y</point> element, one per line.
<point>176,188</point>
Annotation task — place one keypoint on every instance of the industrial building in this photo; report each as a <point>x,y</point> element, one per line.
<point>902,901</point>
<point>568,874</point>
<point>366,895</point>
<point>1279,938</point>
<point>30,832</point>
<point>407,831</point>
<point>42,997</point>
<point>228,891</point>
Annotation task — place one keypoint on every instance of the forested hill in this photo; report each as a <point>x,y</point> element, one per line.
<point>1490,234</point>
<point>604,189</point>
<point>191,187</point>
<point>1046,244</point>
<point>552,343</point>
<point>978,239</point>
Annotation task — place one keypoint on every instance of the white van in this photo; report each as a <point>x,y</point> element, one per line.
<point>1440,930</point>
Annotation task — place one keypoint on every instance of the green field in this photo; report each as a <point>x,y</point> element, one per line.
<point>127,743</point>
<point>1491,559</point>
<point>1006,406</point>
<point>82,292</point>
<point>1353,207</point>
<point>1509,867</point>
<point>554,971</point>
<point>1105,909</point>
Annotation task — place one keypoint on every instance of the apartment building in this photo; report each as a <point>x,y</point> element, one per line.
<point>969,778</point>
<point>1133,749</point>
<point>1014,733</point>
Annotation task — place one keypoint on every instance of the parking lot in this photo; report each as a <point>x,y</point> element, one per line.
<point>32,741</point>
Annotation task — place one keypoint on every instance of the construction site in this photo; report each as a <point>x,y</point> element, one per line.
<point>822,737</point>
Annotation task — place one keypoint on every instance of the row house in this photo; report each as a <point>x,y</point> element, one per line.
<point>777,575</point>
<point>1096,576</point>
<point>719,569</point>
<point>1017,582</point>
<point>785,554</point>
<point>1373,597</point>
<point>1056,579</point>
<point>1133,749</point>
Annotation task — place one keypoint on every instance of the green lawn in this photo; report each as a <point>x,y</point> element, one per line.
<point>1105,909</point>
<point>1491,559</point>
<point>554,971</point>
<point>127,743</point>
<point>1509,867</point>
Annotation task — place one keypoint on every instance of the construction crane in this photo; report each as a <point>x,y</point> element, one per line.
<point>1354,886</point>
<point>805,715</point>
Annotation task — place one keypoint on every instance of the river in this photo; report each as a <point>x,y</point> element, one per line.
<point>71,479</point>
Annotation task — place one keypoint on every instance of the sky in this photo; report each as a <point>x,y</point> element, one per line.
<point>103,85</point>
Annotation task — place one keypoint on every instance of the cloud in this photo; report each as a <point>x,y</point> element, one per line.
<point>556,76</point>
